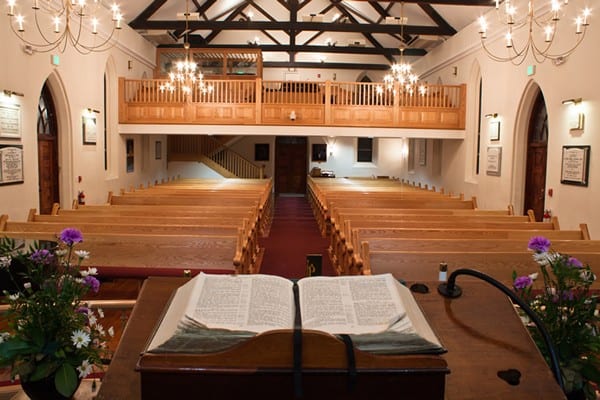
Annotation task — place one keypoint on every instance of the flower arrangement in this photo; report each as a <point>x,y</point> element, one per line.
<point>567,307</point>
<point>52,332</point>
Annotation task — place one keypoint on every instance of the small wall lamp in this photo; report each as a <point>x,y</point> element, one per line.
<point>293,116</point>
<point>576,116</point>
<point>10,93</point>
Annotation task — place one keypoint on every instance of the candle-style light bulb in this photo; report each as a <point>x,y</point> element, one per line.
<point>20,20</point>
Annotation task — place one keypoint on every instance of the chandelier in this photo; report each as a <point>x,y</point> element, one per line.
<point>401,72</point>
<point>542,31</point>
<point>186,75</point>
<point>61,22</point>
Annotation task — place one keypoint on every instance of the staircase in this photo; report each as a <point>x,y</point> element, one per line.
<point>214,154</point>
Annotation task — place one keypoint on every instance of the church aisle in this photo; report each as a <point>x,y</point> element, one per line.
<point>293,234</point>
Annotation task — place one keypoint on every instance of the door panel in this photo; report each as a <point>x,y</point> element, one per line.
<point>290,164</point>
<point>47,152</point>
<point>537,149</point>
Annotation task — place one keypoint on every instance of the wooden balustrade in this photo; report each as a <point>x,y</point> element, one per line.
<point>259,101</point>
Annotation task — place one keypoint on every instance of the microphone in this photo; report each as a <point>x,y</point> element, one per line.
<point>451,290</point>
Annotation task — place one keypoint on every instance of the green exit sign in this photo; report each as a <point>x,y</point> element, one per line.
<point>55,59</point>
<point>530,70</point>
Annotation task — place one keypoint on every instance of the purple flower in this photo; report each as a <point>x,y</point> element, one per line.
<point>539,244</point>
<point>574,263</point>
<point>568,295</point>
<point>71,236</point>
<point>42,256</point>
<point>92,282</point>
<point>523,282</point>
<point>83,310</point>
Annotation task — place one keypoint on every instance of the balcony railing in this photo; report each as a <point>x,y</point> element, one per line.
<point>245,102</point>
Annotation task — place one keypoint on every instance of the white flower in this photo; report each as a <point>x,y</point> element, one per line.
<point>533,276</point>
<point>541,258</point>
<point>82,254</point>
<point>4,336</point>
<point>111,331</point>
<point>85,369</point>
<point>13,297</point>
<point>27,285</point>
<point>92,271</point>
<point>80,338</point>
<point>100,313</point>
<point>587,275</point>
<point>100,329</point>
<point>60,252</point>
<point>92,319</point>
<point>5,261</point>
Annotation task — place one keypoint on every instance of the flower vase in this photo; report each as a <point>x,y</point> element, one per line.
<point>44,389</point>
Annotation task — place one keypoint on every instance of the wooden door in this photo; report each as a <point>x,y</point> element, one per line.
<point>537,148</point>
<point>291,164</point>
<point>47,128</point>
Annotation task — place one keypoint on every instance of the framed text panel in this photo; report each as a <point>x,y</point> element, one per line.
<point>575,165</point>
<point>494,160</point>
<point>10,121</point>
<point>11,164</point>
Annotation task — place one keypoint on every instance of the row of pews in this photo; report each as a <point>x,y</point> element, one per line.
<point>179,227</point>
<point>381,225</point>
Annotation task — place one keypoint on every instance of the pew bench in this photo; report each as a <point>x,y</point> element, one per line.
<point>424,266</point>
<point>340,239</point>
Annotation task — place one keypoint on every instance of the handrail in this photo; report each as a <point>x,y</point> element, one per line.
<point>235,101</point>
<point>188,148</point>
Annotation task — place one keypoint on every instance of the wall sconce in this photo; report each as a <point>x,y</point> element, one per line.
<point>10,93</point>
<point>576,116</point>
<point>293,116</point>
<point>90,113</point>
<point>492,116</point>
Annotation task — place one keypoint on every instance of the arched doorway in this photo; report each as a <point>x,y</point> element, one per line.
<point>47,133</point>
<point>537,149</point>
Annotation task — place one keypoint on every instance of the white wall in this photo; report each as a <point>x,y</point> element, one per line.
<point>389,158</point>
<point>505,88</point>
<point>76,84</point>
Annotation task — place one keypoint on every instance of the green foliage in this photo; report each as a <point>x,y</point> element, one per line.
<point>51,332</point>
<point>568,308</point>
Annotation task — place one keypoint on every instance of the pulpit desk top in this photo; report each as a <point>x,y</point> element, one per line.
<point>481,331</point>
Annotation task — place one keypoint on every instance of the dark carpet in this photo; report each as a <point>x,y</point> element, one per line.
<point>293,235</point>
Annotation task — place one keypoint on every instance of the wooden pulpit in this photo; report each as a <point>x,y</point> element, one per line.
<point>263,368</point>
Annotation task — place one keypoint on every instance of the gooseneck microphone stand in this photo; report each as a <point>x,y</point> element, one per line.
<point>452,290</point>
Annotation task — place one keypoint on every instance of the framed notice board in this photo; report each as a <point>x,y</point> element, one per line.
<point>11,164</point>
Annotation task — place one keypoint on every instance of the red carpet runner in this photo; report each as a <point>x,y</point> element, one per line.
<point>294,234</point>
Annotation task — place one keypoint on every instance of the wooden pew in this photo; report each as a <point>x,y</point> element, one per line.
<point>424,266</point>
<point>142,255</point>
<point>341,249</point>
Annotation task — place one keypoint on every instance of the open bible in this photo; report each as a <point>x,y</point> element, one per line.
<point>214,312</point>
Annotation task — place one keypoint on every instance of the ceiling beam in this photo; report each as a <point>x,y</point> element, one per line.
<point>326,65</point>
<point>481,3</point>
<point>297,26</point>
<point>411,52</point>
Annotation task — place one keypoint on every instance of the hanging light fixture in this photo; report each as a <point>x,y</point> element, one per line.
<point>186,75</point>
<point>401,72</point>
<point>59,23</point>
<point>542,31</point>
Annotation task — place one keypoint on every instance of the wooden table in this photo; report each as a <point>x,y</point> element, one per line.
<point>481,330</point>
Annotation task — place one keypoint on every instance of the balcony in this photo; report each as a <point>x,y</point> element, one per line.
<point>286,103</point>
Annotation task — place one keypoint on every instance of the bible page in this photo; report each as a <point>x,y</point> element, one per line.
<point>352,304</point>
<point>254,303</point>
